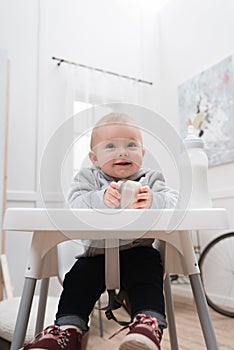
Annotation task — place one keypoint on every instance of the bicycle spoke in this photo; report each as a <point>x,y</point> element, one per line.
<point>217,270</point>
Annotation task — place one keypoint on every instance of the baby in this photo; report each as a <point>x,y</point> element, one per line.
<point>116,152</point>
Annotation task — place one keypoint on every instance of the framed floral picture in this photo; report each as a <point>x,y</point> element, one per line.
<point>207,102</point>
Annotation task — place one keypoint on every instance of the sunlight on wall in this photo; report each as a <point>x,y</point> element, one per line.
<point>80,106</point>
<point>154,5</point>
<point>81,146</point>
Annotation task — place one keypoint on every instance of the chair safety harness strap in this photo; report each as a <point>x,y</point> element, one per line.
<point>116,300</point>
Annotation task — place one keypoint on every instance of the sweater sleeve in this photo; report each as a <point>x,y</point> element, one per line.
<point>163,196</point>
<point>85,193</point>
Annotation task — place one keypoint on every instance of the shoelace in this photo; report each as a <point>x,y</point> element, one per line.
<point>142,319</point>
<point>62,336</point>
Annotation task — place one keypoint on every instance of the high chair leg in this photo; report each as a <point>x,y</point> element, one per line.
<point>203,312</point>
<point>100,318</point>
<point>42,305</point>
<point>170,314</point>
<point>23,313</point>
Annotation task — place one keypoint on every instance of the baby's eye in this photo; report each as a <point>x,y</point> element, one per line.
<point>110,146</point>
<point>132,144</point>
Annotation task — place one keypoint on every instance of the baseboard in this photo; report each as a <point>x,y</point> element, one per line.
<point>182,291</point>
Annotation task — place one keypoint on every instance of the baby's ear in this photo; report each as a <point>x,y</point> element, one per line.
<point>93,158</point>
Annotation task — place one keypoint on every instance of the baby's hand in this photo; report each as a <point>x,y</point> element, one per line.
<point>144,198</point>
<point>112,195</point>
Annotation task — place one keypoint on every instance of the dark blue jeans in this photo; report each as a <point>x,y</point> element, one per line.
<point>141,274</point>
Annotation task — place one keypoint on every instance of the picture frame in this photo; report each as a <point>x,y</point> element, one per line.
<point>207,101</point>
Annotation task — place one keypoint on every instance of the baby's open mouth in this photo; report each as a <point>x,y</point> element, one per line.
<point>123,163</point>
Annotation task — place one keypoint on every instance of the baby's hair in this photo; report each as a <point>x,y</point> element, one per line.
<point>115,118</point>
<point>112,118</point>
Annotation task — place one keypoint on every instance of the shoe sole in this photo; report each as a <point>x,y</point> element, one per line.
<point>137,342</point>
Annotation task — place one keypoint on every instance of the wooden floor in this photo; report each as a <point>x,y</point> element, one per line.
<point>188,328</point>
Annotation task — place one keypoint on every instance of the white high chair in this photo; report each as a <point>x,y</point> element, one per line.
<point>52,226</point>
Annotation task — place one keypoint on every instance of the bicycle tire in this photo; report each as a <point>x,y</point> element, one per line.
<point>217,272</point>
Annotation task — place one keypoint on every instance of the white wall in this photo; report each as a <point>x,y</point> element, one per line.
<point>122,36</point>
<point>119,36</point>
<point>18,35</point>
<point>194,35</point>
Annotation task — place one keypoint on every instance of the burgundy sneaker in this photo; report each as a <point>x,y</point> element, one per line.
<point>144,334</point>
<point>54,338</point>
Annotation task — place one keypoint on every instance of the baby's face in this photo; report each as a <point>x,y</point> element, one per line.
<point>117,150</point>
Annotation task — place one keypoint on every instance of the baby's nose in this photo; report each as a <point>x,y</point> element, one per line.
<point>122,151</point>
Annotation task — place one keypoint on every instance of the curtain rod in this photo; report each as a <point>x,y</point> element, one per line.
<point>62,60</point>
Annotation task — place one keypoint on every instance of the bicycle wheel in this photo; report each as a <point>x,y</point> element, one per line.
<point>217,272</point>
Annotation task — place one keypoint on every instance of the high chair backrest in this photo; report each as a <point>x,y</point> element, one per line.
<point>67,253</point>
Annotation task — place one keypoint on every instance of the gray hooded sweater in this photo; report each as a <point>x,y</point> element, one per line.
<point>87,191</point>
